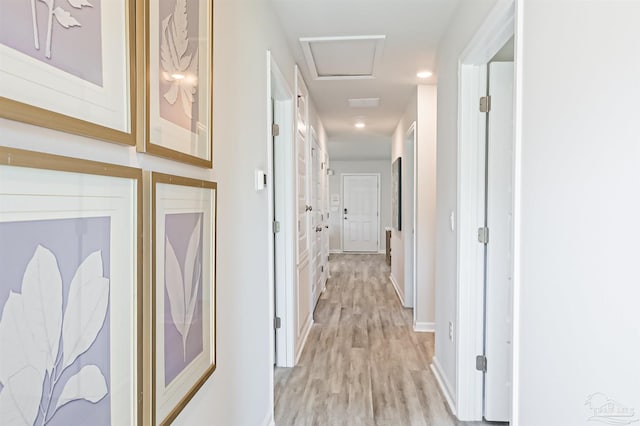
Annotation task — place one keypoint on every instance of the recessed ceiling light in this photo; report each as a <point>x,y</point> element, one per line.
<point>360,125</point>
<point>424,74</point>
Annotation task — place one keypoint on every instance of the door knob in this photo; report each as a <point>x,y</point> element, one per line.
<point>318,228</point>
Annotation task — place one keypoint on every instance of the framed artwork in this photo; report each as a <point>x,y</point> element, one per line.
<point>183,289</point>
<point>69,65</point>
<point>396,193</point>
<point>70,314</point>
<point>178,79</point>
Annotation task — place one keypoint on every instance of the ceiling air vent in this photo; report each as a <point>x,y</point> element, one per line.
<point>343,58</point>
<point>364,103</point>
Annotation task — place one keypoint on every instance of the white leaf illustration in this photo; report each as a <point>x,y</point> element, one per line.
<point>175,288</point>
<point>17,348</point>
<point>172,94</point>
<point>86,308</point>
<point>179,67</point>
<point>180,27</point>
<point>20,397</point>
<point>182,288</point>
<point>192,274</point>
<point>42,303</point>
<point>64,18</point>
<point>79,3</point>
<point>89,384</point>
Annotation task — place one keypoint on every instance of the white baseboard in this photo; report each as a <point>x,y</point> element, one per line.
<point>305,335</point>
<point>395,287</point>
<point>335,251</point>
<point>444,385</point>
<point>382,252</point>
<point>268,420</point>
<point>424,327</point>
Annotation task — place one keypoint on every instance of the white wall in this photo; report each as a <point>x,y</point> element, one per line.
<point>397,150</point>
<point>466,20</point>
<point>239,392</point>
<point>335,187</point>
<point>421,109</point>
<point>425,314</point>
<point>579,293</point>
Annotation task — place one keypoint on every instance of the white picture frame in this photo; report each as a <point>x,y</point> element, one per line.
<point>36,92</point>
<point>177,197</point>
<point>40,191</point>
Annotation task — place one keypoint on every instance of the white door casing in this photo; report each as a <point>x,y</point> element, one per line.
<point>408,212</point>
<point>499,280</point>
<point>303,290</point>
<point>317,226</point>
<point>360,212</point>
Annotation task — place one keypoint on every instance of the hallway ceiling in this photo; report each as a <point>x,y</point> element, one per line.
<point>412,28</point>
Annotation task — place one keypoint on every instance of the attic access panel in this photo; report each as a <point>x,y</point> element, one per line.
<point>343,58</point>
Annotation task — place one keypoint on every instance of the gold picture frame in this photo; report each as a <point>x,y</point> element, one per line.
<point>183,215</point>
<point>162,130</point>
<point>46,114</point>
<point>48,190</point>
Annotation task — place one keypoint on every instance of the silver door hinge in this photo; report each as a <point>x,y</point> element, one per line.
<point>276,226</point>
<point>277,323</point>
<point>485,104</point>
<point>275,130</point>
<point>483,235</point>
<point>481,363</point>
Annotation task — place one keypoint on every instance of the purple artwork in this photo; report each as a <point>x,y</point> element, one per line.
<point>182,292</point>
<point>178,80</point>
<point>66,34</point>
<point>54,322</point>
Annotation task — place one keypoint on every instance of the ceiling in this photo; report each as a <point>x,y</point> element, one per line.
<point>412,30</point>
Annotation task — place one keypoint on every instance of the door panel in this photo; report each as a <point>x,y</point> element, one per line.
<point>317,228</point>
<point>498,315</point>
<point>360,213</point>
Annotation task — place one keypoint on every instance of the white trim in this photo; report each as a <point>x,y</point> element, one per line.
<point>413,236</point>
<point>305,335</point>
<point>517,212</point>
<point>342,175</point>
<point>268,420</point>
<point>382,251</point>
<point>424,327</point>
<point>395,287</point>
<point>443,384</point>
<point>305,42</point>
<point>335,251</point>
<point>281,246</point>
<point>496,30</point>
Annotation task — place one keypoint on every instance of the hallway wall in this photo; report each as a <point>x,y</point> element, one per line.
<point>579,293</point>
<point>335,188</point>
<point>238,393</point>
<point>397,150</point>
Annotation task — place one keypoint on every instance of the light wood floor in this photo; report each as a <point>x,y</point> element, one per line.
<point>362,364</point>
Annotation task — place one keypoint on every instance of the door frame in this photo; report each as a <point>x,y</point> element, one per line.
<point>414,200</point>
<point>342,175</point>
<point>497,29</point>
<point>281,246</point>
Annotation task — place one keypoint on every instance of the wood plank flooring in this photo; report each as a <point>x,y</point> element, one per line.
<point>362,364</point>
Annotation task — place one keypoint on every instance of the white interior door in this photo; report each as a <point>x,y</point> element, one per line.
<point>317,227</point>
<point>499,282</point>
<point>408,221</point>
<point>360,227</point>
<point>325,218</point>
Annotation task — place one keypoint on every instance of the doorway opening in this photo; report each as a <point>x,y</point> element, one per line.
<point>281,214</point>
<point>409,217</point>
<point>486,165</point>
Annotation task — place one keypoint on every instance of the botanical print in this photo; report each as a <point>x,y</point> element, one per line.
<point>54,322</point>
<point>66,34</point>
<point>183,292</point>
<point>179,62</point>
